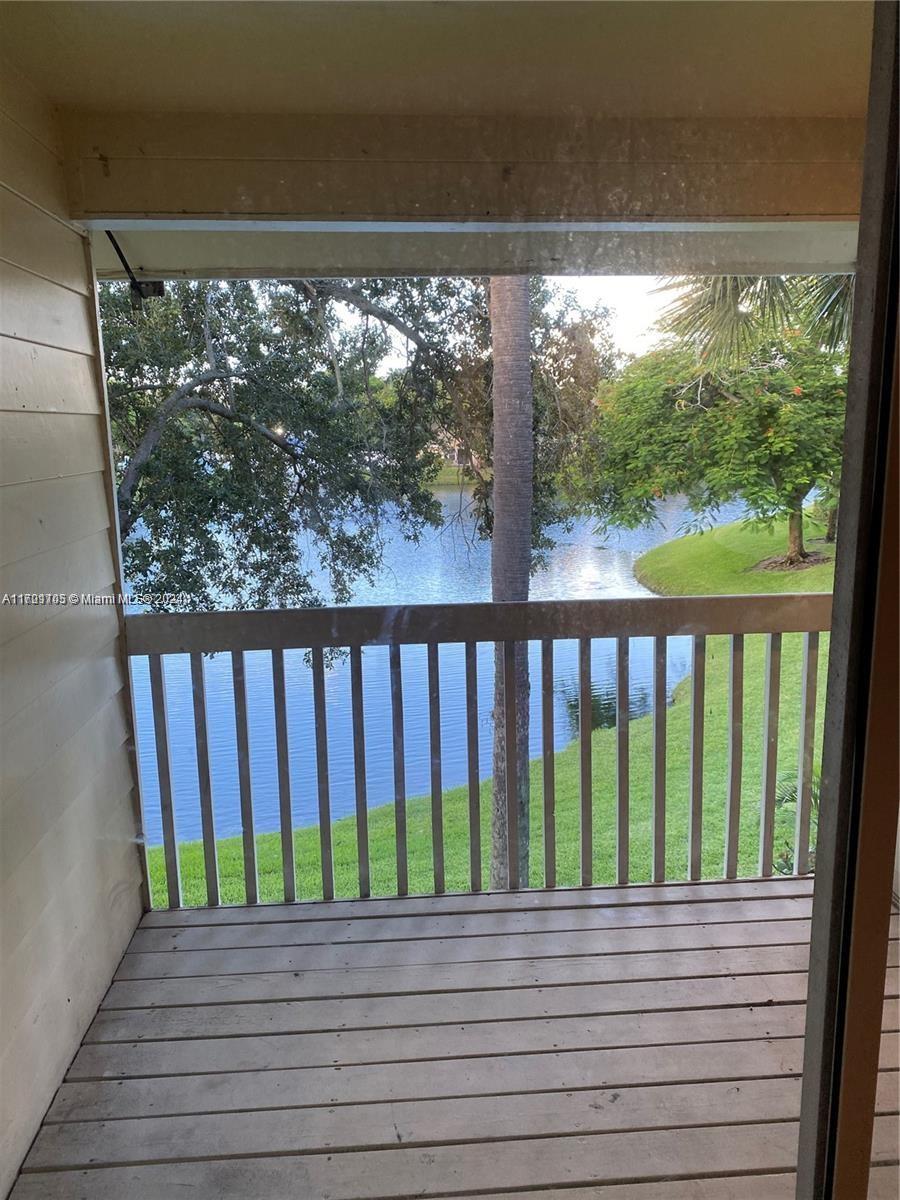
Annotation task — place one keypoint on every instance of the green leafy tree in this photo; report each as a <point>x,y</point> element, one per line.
<point>726,317</point>
<point>262,430</point>
<point>766,434</point>
<point>245,428</point>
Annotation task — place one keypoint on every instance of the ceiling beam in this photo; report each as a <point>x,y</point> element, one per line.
<point>461,169</point>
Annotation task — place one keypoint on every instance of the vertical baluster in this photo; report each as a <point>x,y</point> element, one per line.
<point>805,766</point>
<point>770,753</point>
<point>586,790</point>
<point>359,769</point>
<point>549,763</point>
<point>511,765</point>
<point>698,699</point>
<point>251,887</point>
<point>399,771</point>
<point>622,760</point>
<point>318,674</point>
<point>659,759</point>
<point>473,771</point>
<point>437,799</point>
<point>164,770</point>
<point>207,823</point>
<point>735,753</point>
<point>284,777</point>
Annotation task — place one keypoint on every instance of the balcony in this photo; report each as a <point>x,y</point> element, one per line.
<point>646,1039</point>
<point>637,1040</point>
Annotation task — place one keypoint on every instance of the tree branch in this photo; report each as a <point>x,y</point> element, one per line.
<point>186,399</point>
<point>348,295</point>
<point>222,410</point>
<point>175,402</point>
<point>329,340</point>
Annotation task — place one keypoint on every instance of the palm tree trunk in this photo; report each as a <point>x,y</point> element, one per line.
<point>513,466</point>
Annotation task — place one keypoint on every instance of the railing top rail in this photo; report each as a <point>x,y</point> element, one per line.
<point>642,616</point>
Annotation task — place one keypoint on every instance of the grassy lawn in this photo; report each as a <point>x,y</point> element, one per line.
<point>723,561</point>
<point>449,476</point>
<point>712,562</point>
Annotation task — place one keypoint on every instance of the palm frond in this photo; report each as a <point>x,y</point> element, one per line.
<point>726,316</point>
<point>826,304</point>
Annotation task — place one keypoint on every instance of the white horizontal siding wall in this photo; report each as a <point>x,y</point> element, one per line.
<point>70,883</point>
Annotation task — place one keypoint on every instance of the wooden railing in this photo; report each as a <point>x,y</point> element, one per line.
<point>318,631</point>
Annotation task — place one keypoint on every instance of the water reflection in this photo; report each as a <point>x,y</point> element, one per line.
<point>603,704</point>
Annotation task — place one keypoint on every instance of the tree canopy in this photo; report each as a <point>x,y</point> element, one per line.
<point>262,430</point>
<point>766,433</point>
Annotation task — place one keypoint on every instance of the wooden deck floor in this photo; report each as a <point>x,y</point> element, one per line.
<point>639,1043</point>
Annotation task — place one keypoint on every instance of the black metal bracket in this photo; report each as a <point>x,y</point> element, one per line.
<point>141,289</point>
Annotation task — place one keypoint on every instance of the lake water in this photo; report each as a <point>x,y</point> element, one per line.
<point>446,566</point>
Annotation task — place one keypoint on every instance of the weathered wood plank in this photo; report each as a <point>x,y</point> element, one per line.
<point>513,974</point>
<point>548,763</point>
<point>201,739</point>
<point>497,1075</point>
<point>49,514</point>
<point>359,769</point>
<point>282,756</point>
<point>38,310</point>
<point>544,138</point>
<point>623,765</point>
<point>438,1122</point>
<point>720,890</point>
<point>47,248</point>
<point>806,743</point>
<point>30,167</point>
<point>164,776</point>
<point>446,1008</point>
<point>660,701</point>
<point>171,633</point>
<point>84,565</point>
<point>170,1024</point>
<point>473,775</point>
<point>434,1170</point>
<point>43,378</point>
<point>399,770</point>
<point>434,1042</point>
<point>771,705</point>
<point>324,802</point>
<point>476,949</point>
<point>456,977</point>
<point>434,747</point>
<point>735,752</point>
<point>242,734</point>
<point>698,700</point>
<point>474,925</point>
<point>585,773</point>
<point>511,765</point>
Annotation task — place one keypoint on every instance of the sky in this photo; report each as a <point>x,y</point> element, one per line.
<point>635,307</point>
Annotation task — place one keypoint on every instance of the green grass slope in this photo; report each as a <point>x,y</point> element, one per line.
<point>724,561</point>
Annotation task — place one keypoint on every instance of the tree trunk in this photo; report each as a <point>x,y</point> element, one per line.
<point>513,466</point>
<point>832,523</point>
<point>796,550</point>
